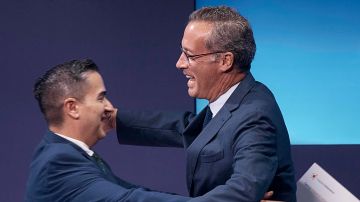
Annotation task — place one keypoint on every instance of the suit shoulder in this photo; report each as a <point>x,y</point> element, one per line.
<point>47,154</point>
<point>260,97</point>
<point>262,91</point>
<point>257,104</point>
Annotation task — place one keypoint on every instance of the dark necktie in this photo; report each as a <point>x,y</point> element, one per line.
<point>100,162</point>
<point>208,116</point>
<point>109,175</point>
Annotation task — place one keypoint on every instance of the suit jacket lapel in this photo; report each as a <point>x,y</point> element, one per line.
<point>193,129</point>
<point>50,137</point>
<point>202,137</point>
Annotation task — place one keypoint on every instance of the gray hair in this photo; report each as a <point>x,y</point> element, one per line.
<point>231,32</point>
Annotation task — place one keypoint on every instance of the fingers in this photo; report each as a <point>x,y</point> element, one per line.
<point>268,194</point>
<point>109,118</point>
<point>112,119</point>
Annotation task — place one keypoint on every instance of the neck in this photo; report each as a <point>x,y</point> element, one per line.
<point>225,83</point>
<point>72,132</point>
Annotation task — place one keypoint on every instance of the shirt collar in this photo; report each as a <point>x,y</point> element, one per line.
<point>79,143</point>
<point>219,103</point>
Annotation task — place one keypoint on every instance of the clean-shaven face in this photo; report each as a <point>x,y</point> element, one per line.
<point>95,107</point>
<point>202,72</point>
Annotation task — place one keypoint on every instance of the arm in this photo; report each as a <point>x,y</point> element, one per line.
<point>152,128</point>
<point>75,178</point>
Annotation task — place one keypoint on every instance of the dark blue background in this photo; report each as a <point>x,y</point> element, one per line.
<point>136,45</point>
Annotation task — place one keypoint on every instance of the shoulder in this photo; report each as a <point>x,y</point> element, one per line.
<point>60,150</point>
<point>260,92</point>
<point>61,173</point>
<point>258,100</point>
<point>256,109</point>
<point>60,163</point>
<point>53,157</point>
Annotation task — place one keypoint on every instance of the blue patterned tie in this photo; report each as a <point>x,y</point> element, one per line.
<point>100,162</point>
<point>208,116</point>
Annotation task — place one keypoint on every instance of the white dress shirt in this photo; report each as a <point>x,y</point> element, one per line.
<point>219,103</point>
<point>79,143</point>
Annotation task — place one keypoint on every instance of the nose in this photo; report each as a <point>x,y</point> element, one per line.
<point>108,106</point>
<point>182,61</point>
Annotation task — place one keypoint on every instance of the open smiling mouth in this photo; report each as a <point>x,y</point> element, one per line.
<point>191,80</point>
<point>106,116</point>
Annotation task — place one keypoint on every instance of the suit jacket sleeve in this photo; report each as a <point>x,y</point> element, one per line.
<point>243,152</point>
<point>71,177</point>
<point>152,128</point>
<point>254,149</point>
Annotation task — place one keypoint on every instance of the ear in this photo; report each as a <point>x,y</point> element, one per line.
<point>71,108</point>
<point>227,62</point>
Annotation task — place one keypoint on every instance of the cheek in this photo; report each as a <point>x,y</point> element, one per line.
<point>199,74</point>
<point>203,77</point>
<point>95,112</point>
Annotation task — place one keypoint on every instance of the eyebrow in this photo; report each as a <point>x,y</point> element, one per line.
<point>185,49</point>
<point>188,52</point>
<point>102,94</point>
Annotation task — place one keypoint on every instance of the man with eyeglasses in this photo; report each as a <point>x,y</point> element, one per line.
<point>238,147</point>
<point>72,97</point>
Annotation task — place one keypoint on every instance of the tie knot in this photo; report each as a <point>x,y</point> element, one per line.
<point>208,116</point>
<point>95,156</point>
<point>99,162</point>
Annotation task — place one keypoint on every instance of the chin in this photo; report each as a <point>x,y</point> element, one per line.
<point>192,93</point>
<point>102,135</point>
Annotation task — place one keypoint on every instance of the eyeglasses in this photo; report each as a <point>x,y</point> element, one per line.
<point>190,58</point>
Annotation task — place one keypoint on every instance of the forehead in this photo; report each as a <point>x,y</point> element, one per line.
<point>195,35</point>
<point>94,82</point>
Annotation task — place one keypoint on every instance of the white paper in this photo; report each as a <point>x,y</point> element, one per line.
<point>316,185</point>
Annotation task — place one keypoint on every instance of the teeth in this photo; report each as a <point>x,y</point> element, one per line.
<point>106,116</point>
<point>189,77</point>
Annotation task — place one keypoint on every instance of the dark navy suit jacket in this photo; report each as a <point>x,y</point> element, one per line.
<point>62,171</point>
<point>243,152</point>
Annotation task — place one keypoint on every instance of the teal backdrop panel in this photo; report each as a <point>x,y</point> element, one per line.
<point>308,54</point>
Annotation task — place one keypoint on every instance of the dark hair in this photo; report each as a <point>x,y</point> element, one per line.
<point>58,83</point>
<point>231,32</point>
